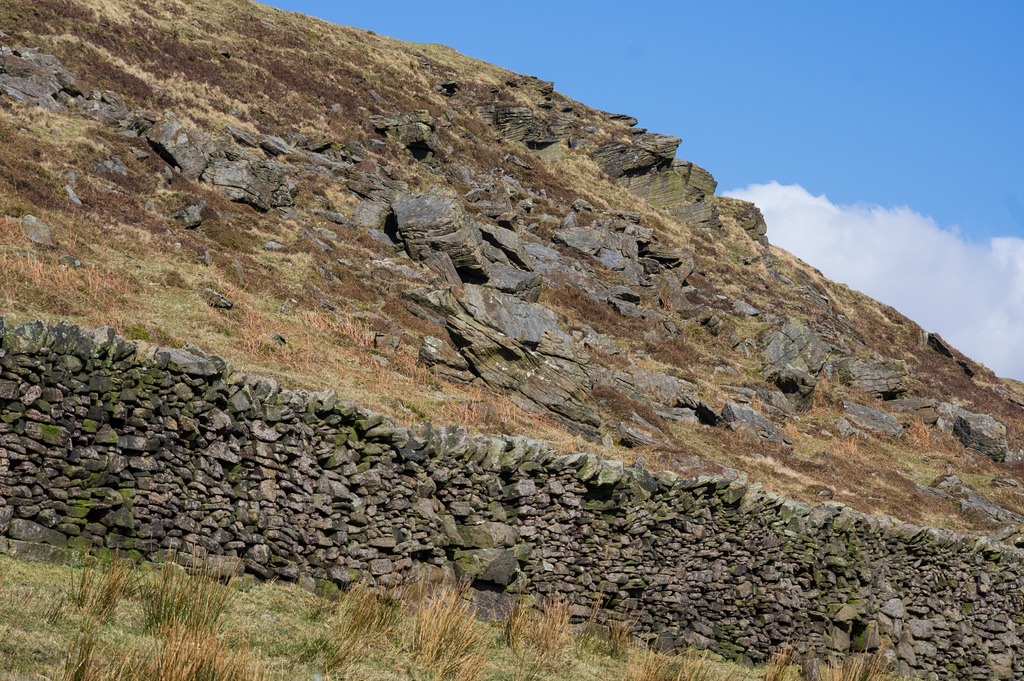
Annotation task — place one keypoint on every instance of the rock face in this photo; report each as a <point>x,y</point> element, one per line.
<point>882,378</point>
<point>435,226</point>
<point>260,184</point>
<point>874,420</point>
<point>794,344</point>
<point>187,148</point>
<point>27,75</point>
<point>414,131</point>
<point>983,434</point>
<point>743,418</point>
<point>298,485</point>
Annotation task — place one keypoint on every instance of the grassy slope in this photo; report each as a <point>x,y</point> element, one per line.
<point>142,272</point>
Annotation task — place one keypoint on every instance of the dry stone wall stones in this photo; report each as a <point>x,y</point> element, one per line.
<point>110,445</point>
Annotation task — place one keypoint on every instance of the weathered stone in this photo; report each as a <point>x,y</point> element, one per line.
<point>983,434</point>
<point>742,417</point>
<point>260,184</point>
<point>794,344</point>
<point>26,530</point>
<point>883,378</point>
<point>443,360</point>
<point>872,419</point>
<point>437,222</point>
<point>414,131</point>
<point>798,386</point>
<point>582,239</point>
<point>495,565</point>
<point>187,148</point>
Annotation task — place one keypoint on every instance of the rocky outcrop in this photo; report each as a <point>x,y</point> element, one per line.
<point>29,76</point>
<point>516,348</point>
<point>186,148</point>
<point>742,418</point>
<point>871,419</point>
<point>879,377</point>
<point>793,343</point>
<point>798,386</point>
<point>647,167</point>
<point>256,182</point>
<point>982,434</point>
<point>414,131</point>
<point>144,449</point>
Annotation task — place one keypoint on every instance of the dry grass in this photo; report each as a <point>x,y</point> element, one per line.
<point>97,592</point>
<point>860,668</point>
<point>541,637</point>
<point>448,642</point>
<point>692,665</point>
<point>780,665</point>
<point>359,620</point>
<point>177,653</point>
<point>190,598</point>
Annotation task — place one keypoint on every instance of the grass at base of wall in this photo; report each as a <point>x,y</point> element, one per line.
<point>279,631</point>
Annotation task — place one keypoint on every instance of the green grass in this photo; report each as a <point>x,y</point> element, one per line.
<point>277,631</point>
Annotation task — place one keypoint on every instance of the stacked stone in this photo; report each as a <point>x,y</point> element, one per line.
<point>110,445</point>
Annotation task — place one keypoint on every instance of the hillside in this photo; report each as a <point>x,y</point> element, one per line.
<point>442,240</point>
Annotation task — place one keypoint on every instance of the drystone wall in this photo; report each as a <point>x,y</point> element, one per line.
<point>107,444</point>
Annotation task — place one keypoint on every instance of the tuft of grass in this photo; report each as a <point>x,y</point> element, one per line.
<point>860,668</point>
<point>620,635</point>
<point>449,643</point>
<point>96,592</point>
<point>79,664</point>
<point>190,598</point>
<point>361,618</point>
<point>648,665</point>
<point>780,665</point>
<point>183,653</point>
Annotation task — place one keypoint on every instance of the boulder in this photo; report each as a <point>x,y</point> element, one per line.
<point>584,240</point>
<point>495,565</point>
<point>414,131</point>
<point>670,291</point>
<point>921,408</point>
<point>36,230</point>
<point>444,361</point>
<point>794,344</point>
<point>372,215</point>
<point>258,183</point>
<point>982,434</point>
<point>506,246</point>
<point>187,148</point>
<point>516,282</point>
<point>743,418</point>
<point>522,321</point>
<point>972,502</point>
<point>32,77</point>
<point>872,419</point>
<point>879,377</point>
<point>798,386</point>
<point>436,221</point>
<point>215,299</point>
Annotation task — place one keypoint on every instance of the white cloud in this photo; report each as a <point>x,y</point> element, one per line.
<point>970,293</point>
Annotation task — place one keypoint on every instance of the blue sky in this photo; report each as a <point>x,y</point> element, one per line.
<point>873,105</point>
